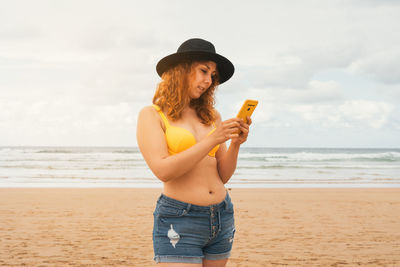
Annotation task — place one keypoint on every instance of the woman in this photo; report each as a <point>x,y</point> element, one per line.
<point>182,139</point>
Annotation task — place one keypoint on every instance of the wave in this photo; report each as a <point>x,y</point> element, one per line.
<point>268,166</point>
<point>338,167</point>
<point>61,152</point>
<point>77,160</point>
<point>334,157</point>
<point>132,151</point>
<point>69,150</point>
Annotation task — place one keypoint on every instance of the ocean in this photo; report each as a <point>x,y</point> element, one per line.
<point>124,167</point>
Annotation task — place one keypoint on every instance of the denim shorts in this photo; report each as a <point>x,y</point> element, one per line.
<point>189,233</point>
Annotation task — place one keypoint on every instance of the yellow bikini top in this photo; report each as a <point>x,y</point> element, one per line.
<point>180,139</point>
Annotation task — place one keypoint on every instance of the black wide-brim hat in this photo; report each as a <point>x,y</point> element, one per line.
<point>197,49</point>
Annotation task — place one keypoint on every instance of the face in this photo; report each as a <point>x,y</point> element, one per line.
<point>202,77</point>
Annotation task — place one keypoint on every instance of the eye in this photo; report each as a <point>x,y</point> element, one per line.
<point>204,71</point>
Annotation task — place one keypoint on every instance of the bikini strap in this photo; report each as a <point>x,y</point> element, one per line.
<point>163,117</point>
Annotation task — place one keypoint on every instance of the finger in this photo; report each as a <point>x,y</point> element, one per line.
<point>234,135</point>
<point>234,131</point>
<point>233,119</point>
<point>244,130</point>
<point>227,122</point>
<point>245,125</point>
<point>233,124</point>
<point>249,121</point>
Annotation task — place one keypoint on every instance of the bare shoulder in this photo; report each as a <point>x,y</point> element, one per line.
<point>148,109</point>
<point>148,112</point>
<point>149,115</point>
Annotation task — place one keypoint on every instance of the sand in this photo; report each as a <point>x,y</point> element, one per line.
<point>274,227</point>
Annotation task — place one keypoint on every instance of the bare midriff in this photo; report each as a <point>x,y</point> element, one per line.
<point>200,186</point>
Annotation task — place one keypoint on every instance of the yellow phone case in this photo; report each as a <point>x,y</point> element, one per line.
<point>247,109</point>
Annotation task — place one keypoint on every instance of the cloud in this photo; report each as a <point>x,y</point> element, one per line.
<point>321,104</point>
<point>78,72</point>
<point>66,122</point>
<point>288,72</point>
<point>349,114</point>
<point>296,67</point>
<point>383,66</point>
<point>375,3</point>
<point>313,93</point>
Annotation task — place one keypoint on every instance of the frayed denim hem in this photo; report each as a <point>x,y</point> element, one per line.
<point>180,259</point>
<point>217,256</point>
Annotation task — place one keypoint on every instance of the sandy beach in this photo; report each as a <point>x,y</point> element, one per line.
<point>274,227</point>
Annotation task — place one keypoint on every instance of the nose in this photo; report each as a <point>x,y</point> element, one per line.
<point>208,80</point>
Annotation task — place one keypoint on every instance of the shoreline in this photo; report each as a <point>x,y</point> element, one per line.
<point>228,186</point>
<point>281,226</point>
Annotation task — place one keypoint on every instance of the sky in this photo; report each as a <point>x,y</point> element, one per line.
<point>325,73</point>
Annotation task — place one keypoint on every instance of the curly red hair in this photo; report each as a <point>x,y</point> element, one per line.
<point>172,94</point>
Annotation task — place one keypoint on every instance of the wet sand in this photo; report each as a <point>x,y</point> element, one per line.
<point>274,227</point>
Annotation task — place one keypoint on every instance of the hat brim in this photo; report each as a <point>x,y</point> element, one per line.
<point>224,66</point>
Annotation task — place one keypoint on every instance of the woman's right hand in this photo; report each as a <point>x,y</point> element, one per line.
<point>226,130</point>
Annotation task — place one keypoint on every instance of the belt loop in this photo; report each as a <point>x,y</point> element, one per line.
<point>188,207</point>
<point>226,204</point>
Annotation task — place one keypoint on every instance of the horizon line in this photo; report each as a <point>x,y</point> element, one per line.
<point>256,147</point>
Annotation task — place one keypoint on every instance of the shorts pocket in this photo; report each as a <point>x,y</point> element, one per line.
<point>170,211</point>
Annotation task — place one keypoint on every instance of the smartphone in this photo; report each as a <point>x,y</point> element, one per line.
<point>247,109</point>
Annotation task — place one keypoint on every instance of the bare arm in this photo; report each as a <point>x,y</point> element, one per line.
<point>152,144</point>
<point>227,158</point>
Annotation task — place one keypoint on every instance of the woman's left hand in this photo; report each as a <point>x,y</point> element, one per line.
<point>244,132</point>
